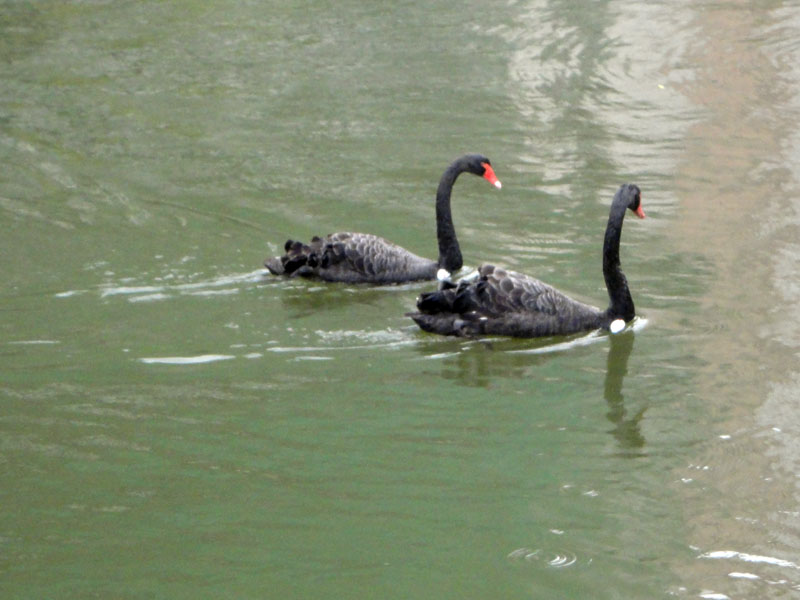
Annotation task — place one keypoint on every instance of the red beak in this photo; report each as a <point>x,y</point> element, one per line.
<point>640,212</point>
<point>489,175</point>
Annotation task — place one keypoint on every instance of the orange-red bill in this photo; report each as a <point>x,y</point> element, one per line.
<point>489,175</point>
<point>640,212</point>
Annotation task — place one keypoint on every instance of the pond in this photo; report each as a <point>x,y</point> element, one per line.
<point>177,423</point>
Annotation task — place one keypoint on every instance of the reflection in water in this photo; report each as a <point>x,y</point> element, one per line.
<point>626,429</point>
<point>304,297</point>
<point>741,155</point>
<point>476,363</point>
<point>558,73</point>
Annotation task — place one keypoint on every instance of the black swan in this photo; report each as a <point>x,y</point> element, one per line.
<point>501,302</point>
<point>367,258</point>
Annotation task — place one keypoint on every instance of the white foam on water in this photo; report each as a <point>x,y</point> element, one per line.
<point>185,360</point>
<point>149,297</point>
<point>750,558</point>
<point>127,290</point>
<point>69,293</point>
<point>228,292</point>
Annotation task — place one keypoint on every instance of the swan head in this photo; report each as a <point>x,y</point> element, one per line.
<point>477,164</point>
<point>633,195</point>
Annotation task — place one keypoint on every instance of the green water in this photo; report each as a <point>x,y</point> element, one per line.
<point>174,423</point>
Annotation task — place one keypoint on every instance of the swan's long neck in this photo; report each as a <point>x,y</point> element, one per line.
<point>449,252</point>
<point>621,303</point>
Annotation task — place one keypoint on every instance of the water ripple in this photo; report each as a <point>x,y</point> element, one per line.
<point>216,286</point>
<point>351,340</point>
<point>552,559</point>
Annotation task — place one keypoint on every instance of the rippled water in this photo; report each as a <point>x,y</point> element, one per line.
<point>176,423</point>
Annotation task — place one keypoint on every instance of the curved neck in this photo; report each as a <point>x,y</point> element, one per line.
<point>449,252</point>
<point>621,303</point>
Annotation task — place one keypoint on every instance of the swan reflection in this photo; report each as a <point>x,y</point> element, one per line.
<point>480,364</point>
<point>627,429</point>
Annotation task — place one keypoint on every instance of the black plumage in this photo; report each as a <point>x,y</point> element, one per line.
<point>501,302</point>
<point>366,258</point>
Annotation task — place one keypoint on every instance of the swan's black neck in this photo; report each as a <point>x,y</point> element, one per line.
<point>621,303</point>
<point>449,251</point>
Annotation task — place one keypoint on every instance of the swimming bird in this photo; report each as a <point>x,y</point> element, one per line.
<point>366,258</point>
<point>501,302</point>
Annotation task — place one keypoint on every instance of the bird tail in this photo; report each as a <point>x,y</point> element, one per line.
<point>434,303</point>
<point>299,258</point>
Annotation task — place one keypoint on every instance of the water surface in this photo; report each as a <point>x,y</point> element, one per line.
<point>175,423</point>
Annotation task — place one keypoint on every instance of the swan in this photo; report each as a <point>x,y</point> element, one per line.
<point>501,302</point>
<point>366,258</point>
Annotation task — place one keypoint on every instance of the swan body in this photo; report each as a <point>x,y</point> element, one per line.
<point>365,258</point>
<point>501,302</point>
<point>352,258</point>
